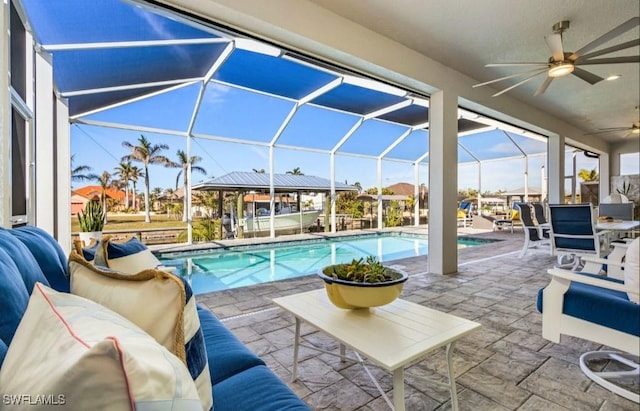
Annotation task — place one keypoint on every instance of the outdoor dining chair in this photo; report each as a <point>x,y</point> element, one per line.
<point>538,211</point>
<point>534,234</point>
<point>573,233</point>
<point>603,310</point>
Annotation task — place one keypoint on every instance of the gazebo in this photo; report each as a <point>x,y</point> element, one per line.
<point>252,182</point>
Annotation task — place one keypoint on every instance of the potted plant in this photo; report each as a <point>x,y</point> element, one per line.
<point>91,222</point>
<point>362,284</point>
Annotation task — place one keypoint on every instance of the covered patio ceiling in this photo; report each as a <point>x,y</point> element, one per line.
<point>190,78</point>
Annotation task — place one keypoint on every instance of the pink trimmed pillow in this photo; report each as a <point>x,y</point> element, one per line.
<point>71,351</point>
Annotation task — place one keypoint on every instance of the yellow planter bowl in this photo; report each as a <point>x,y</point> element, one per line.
<point>354,295</point>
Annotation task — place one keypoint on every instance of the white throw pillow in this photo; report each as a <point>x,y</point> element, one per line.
<point>632,270</point>
<point>74,353</point>
<point>160,303</point>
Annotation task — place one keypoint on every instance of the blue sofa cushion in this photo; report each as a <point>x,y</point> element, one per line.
<point>601,306</point>
<point>13,297</point>
<point>3,351</point>
<point>227,355</point>
<point>89,253</point>
<point>48,254</point>
<point>26,263</point>
<point>255,389</point>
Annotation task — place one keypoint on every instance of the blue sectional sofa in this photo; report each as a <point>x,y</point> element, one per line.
<point>240,379</point>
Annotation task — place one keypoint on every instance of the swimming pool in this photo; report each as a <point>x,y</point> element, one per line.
<point>241,266</point>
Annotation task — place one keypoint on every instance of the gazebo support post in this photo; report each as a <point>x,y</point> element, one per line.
<point>327,211</point>
<point>220,201</point>
<point>240,214</point>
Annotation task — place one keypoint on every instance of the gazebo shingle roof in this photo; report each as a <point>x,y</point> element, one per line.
<point>244,181</point>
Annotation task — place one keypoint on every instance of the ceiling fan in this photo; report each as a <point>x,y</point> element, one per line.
<point>563,63</point>
<point>634,129</point>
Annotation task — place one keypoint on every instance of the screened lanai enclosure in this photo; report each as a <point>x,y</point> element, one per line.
<point>127,68</point>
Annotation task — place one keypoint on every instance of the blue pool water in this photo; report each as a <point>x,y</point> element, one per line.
<point>248,265</point>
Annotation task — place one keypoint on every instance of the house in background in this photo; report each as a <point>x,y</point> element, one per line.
<point>81,196</point>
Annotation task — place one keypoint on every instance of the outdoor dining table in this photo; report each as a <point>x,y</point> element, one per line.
<point>618,225</point>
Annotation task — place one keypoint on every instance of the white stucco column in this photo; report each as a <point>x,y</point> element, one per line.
<point>555,167</point>
<point>63,176</point>
<point>443,183</point>
<point>44,147</point>
<point>604,185</point>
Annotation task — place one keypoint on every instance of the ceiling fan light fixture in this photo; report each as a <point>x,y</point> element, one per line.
<point>560,69</point>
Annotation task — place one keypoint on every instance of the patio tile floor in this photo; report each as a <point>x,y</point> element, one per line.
<point>506,365</point>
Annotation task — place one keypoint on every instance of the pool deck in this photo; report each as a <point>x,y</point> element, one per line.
<point>506,365</point>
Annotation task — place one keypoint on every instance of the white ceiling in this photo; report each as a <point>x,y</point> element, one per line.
<point>467,34</point>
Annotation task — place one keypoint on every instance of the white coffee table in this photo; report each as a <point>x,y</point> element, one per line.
<point>391,336</point>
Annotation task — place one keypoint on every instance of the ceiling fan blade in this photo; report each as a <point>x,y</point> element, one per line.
<point>610,60</point>
<point>518,83</point>
<point>543,86</point>
<point>611,130</point>
<point>586,76</point>
<point>515,64</point>
<point>626,26</point>
<point>511,76</point>
<point>554,41</point>
<point>621,46</point>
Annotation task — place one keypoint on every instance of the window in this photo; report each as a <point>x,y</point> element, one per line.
<point>629,164</point>
<point>21,116</point>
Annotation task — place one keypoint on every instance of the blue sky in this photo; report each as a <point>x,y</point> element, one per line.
<point>101,148</point>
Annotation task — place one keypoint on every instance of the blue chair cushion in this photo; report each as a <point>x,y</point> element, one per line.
<point>13,297</point>
<point>48,254</point>
<point>575,243</point>
<point>601,306</point>
<point>25,261</point>
<point>227,355</point>
<point>255,389</point>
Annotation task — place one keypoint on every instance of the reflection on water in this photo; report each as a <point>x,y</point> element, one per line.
<point>222,270</point>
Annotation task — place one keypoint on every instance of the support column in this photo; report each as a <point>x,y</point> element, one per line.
<point>63,178</point>
<point>240,214</point>
<point>555,167</point>
<point>604,185</point>
<point>443,183</point>
<point>44,147</point>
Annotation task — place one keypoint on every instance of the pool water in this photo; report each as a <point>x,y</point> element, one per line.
<point>248,265</point>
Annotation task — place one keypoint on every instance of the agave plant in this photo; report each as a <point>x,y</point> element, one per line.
<point>92,217</point>
<point>362,271</point>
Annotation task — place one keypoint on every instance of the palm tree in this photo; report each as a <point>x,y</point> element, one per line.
<point>136,173</point>
<point>78,173</point>
<point>296,172</point>
<point>124,171</point>
<point>184,162</point>
<point>146,153</point>
<point>588,175</point>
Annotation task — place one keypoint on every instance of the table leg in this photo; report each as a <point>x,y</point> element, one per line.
<point>296,346</point>
<point>452,377</point>
<point>398,389</point>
